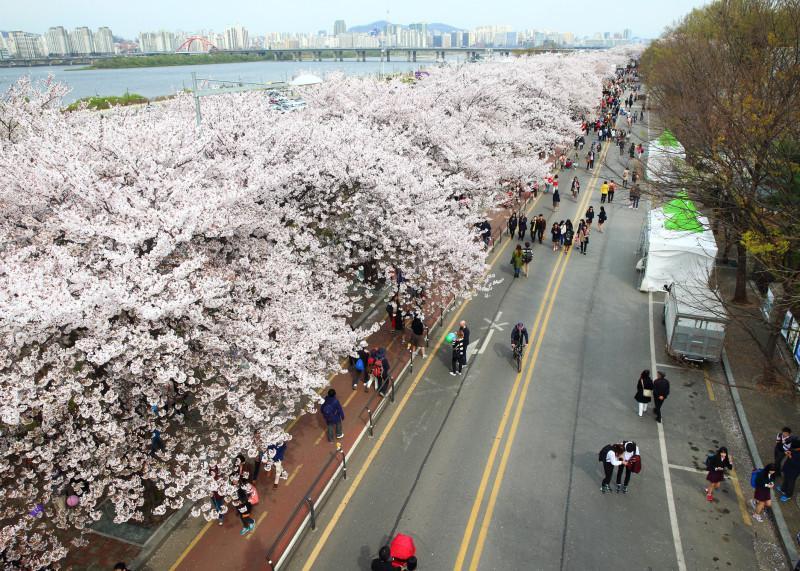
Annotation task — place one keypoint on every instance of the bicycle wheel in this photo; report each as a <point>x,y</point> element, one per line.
<point>518,357</point>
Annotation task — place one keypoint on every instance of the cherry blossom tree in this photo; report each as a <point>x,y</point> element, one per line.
<point>170,297</point>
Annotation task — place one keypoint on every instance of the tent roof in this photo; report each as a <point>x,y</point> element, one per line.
<point>662,238</point>
<point>667,139</point>
<point>306,79</point>
<point>681,214</point>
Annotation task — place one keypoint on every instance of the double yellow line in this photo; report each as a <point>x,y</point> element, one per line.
<point>539,329</point>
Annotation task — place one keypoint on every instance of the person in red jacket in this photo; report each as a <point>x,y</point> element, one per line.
<point>403,552</point>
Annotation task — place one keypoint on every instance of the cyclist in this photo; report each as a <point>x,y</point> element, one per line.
<point>519,336</point>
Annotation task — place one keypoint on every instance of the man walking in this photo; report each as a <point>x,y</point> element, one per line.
<point>783,443</point>
<point>458,353</point>
<point>465,330</point>
<point>276,454</point>
<point>604,192</point>
<point>541,226</point>
<point>660,393</point>
<point>333,413</point>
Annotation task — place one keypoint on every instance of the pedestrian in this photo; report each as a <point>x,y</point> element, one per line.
<point>245,509</point>
<point>575,188</point>
<point>362,369</point>
<point>639,151</point>
<point>541,226</point>
<point>783,443</point>
<point>630,458</point>
<point>611,457</point>
<point>548,184</point>
<point>555,231</point>
<point>527,257</point>
<point>790,470</point>
<point>590,160</point>
<point>462,326</point>
<point>635,194</point>
<point>535,188</point>
<point>399,318</point>
<point>512,224</point>
<point>417,342</point>
<point>384,560</point>
<point>632,151</point>
<point>275,454</point>
<point>604,192</point>
<point>403,553</point>
<point>569,235</point>
<point>516,260</point>
<point>556,200</point>
<point>644,391</point>
<point>621,145</point>
<point>612,188</point>
<point>562,230</point>
<point>589,216</point>
<point>762,493</point>
<point>156,444</point>
<point>625,174</point>
<point>380,370</point>
<point>391,308</point>
<point>522,226</point>
<point>601,219</point>
<point>459,353</point>
<point>333,413</point>
<point>634,177</point>
<point>660,393</point>
<point>582,236</point>
<point>716,464</point>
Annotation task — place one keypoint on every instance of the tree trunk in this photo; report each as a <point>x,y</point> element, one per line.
<point>768,375</point>
<point>740,295</point>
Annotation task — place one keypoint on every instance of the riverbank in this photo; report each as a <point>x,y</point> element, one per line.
<point>166,60</point>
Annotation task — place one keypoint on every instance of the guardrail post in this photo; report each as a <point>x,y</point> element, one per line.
<point>340,450</point>
<point>391,388</point>
<point>310,503</point>
<point>411,361</point>
<point>371,424</point>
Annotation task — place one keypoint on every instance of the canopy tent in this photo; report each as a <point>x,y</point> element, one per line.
<point>660,154</point>
<point>677,247</point>
<point>305,79</point>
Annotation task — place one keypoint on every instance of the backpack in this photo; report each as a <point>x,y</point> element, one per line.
<point>377,368</point>
<point>604,452</point>
<point>708,460</point>
<point>754,476</point>
<point>527,256</point>
<point>327,409</point>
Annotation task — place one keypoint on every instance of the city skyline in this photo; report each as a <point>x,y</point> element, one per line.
<point>129,21</point>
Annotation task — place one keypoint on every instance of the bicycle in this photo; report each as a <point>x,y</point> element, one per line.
<point>516,351</point>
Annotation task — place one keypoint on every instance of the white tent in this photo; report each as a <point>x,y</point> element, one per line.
<point>661,153</point>
<point>305,79</point>
<point>675,256</point>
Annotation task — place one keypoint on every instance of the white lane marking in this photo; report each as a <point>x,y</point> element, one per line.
<point>698,471</point>
<point>665,365</point>
<point>662,445</point>
<point>485,342</point>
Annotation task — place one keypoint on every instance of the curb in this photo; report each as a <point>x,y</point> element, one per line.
<point>783,529</point>
<point>160,535</point>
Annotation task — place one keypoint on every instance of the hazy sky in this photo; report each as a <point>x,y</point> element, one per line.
<point>647,18</point>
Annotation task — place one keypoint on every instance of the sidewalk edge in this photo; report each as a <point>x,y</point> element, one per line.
<point>161,534</point>
<point>783,529</point>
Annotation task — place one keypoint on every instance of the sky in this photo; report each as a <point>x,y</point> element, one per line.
<point>646,18</point>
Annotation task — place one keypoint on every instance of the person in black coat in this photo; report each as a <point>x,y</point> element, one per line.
<point>459,353</point>
<point>644,391</point>
<point>716,466</point>
<point>465,330</point>
<point>660,393</point>
<point>512,224</point>
<point>523,227</point>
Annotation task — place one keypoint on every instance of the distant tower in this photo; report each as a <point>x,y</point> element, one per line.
<point>627,34</point>
<point>339,27</point>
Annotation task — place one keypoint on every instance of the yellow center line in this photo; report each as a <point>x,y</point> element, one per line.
<point>186,551</point>
<point>740,499</point>
<point>260,519</point>
<point>558,270</point>
<point>709,388</point>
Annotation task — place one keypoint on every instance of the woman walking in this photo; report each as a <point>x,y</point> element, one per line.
<point>512,224</point>
<point>762,495</point>
<point>576,188</point>
<point>716,466</point>
<point>556,200</point>
<point>644,391</point>
<point>523,226</point>
<point>583,236</point>
<point>569,235</point>
<point>459,352</point>
<point>562,230</point>
<point>555,231</point>
<point>589,216</point>
<point>517,260</point>
<point>601,219</point>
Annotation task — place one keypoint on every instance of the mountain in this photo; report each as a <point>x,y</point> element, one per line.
<point>381,24</point>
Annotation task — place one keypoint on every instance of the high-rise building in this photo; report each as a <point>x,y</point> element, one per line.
<point>339,27</point>
<point>82,41</point>
<point>4,54</point>
<point>57,41</point>
<point>236,38</point>
<point>161,42</point>
<point>104,41</point>
<point>627,34</point>
<point>23,45</point>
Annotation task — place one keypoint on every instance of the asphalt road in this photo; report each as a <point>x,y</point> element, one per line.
<point>495,470</point>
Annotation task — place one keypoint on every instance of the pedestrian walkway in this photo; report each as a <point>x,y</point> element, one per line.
<point>311,461</point>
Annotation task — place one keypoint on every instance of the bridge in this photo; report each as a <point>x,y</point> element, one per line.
<point>308,54</point>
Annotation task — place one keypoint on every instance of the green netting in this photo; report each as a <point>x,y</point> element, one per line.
<point>667,139</point>
<point>681,215</point>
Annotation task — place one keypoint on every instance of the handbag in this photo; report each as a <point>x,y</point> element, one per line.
<point>647,392</point>
<point>253,496</point>
<point>635,464</point>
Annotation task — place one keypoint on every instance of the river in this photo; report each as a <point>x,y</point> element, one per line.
<point>155,81</point>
